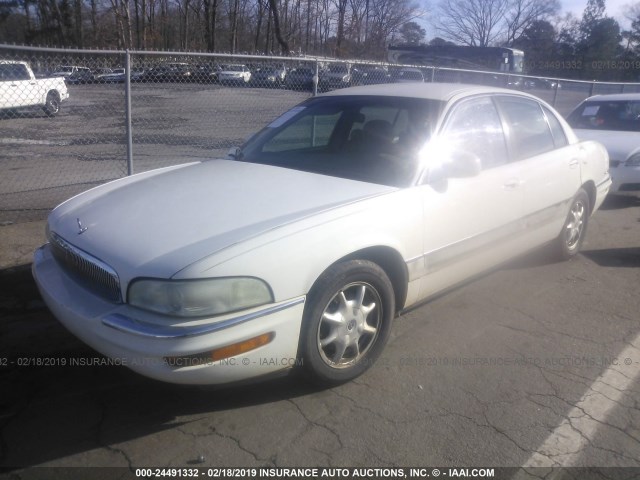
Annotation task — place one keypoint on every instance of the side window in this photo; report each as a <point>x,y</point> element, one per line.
<point>13,71</point>
<point>308,131</point>
<point>20,72</point>
<point>474,126</point>
<point>559,137</point>
<point>5,72</point>
<point>528,128</point>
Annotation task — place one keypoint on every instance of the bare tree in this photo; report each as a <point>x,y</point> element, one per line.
<point>341,5</point>
<point>284,46</point>
<point>523,13</point>
<point>210,15</point>
<point>385,18</point>
<point>472,22</point>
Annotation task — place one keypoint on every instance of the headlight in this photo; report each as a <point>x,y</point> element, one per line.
<point>198,298</point>
<point>634,160</point>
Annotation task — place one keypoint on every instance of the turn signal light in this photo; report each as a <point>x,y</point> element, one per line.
<point>221,353</point>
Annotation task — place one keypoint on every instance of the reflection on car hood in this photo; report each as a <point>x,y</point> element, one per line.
<point>158,223</point>
<point>619,144</point>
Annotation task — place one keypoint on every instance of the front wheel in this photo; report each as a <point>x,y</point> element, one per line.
<point>52,104</point>
<point>347,321</point>
<point>575,227</point>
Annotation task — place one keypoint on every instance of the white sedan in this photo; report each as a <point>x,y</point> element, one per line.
<point>614,121</point>
<point>302,246</point>
<point>234,74</point>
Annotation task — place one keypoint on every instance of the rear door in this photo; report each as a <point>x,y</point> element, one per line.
<point>550,167</point>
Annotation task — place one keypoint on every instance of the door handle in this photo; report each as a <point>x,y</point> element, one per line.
<point>573,163</point>
<point>511,184</point>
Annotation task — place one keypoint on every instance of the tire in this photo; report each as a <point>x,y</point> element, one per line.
<point>52,104</point>
<point>347,321</point>
<point>574,230</point>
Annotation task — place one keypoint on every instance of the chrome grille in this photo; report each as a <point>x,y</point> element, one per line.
<point>95,275</point>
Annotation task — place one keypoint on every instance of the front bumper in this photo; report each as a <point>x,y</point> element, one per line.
<point>143,341</point>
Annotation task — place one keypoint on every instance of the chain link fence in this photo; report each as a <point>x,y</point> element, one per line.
<point>128,112</point>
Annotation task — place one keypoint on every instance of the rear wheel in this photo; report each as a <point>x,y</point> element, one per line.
<point>52,104</point>
<point>347,321</point>
<point>575,227</point>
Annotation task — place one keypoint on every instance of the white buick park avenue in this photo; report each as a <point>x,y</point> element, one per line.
<point>298,250</point>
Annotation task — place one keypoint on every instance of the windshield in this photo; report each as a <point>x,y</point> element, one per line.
<point>368,138</point>
<point>233,68</point>
<point>621,115</point>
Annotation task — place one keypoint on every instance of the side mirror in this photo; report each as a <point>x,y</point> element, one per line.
<point>458,165</point>
<point>234,153</point>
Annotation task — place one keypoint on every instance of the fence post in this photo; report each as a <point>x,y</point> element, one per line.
<point>128,122</point>
<point>592,88</point>
<point>316,79</point>
<point>555,92</point>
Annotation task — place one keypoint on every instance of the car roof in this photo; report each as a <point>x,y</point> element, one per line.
<point>431,91</point>
<point>615,97</point>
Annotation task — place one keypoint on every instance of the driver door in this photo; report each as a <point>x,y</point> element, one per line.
<point>470,222</point>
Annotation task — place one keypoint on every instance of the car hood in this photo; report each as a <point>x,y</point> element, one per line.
<point>619,145</point>
<point>158,223</point>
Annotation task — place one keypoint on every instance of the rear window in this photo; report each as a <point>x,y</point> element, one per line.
<point>607,115</point>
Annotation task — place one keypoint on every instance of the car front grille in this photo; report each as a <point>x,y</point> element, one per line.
<point>93,274</point>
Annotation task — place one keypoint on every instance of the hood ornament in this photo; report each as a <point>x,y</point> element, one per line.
<point>81,229</point>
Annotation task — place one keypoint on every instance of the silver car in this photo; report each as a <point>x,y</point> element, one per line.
<point>614,121</point>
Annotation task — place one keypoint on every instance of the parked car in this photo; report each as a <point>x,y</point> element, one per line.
<point>409,75</point>
<point>206,73</point>
<point>542,83</point>
<point>20,88</point>
<point>234,74</point>
<point>300,78</point>
<point>99,72</point>
<point>168,72</point>
<point>67,70</point>
<point>116,75</point>
<point>137,74</point>
<point>80,77</point>
<point>337,75</point>
<point>269,76</point>
<point>614,121</point>
<point>370,74</point>
<point>311,237</point>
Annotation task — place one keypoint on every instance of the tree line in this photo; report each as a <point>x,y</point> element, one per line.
<point>341,28</point>
<point>559,45</point>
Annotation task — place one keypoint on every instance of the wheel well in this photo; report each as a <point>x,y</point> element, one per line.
<point>393,265</point>
<point>54,93</point>
<point>590,188</point>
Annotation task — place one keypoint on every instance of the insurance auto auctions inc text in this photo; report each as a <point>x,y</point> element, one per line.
<point>368,473</point>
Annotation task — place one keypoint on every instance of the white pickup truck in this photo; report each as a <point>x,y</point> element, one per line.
<point>20,88</point>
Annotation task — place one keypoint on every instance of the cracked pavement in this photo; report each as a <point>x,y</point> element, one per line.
<point>513,368</point>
